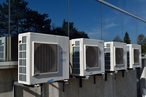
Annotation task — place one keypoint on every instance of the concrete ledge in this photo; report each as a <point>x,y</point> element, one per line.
<point>8,64</point>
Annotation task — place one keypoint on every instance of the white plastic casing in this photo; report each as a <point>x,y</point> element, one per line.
<point>26,55</point>
<point>131,50</point>
<point>84,50</point>
<point>115,61</point>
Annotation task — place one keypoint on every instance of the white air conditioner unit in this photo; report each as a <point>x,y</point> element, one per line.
<point>133,56</point>
<point>86,57</point>
<point>8,48</point>
<point>2,48</point>
<point>42,58</point>
<point>115,56</point>
<point>8,51</point>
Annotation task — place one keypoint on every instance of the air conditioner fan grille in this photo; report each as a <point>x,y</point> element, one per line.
<point>91,57</point>
<point>45,58</point>
<point>136,56</point>
<point>119,54</point>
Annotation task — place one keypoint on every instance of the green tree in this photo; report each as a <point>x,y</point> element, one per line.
<point>117,39</point>
<point>22,19</point>
<point>127,38</point>
<point>141,40</point>
<point>73,32</point>
<point>37,22</point>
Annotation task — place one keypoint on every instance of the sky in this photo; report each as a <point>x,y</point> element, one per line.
<point>88,17</point>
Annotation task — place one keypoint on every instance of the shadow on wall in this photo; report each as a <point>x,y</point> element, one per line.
<point>27,92</point>
<point>47,90</point>
<point>7,78</point>
<point>110,88</point>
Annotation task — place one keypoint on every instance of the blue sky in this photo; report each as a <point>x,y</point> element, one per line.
<point>86,16</point>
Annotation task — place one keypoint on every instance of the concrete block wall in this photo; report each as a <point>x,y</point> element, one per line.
<point>115,86</point>
<point>7,78</point>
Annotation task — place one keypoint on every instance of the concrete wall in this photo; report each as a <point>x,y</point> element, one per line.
<point>7,77</point>
<point>115,86</point>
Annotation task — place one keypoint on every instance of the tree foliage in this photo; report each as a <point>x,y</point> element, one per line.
<point>23,19</point>
<point>117,39</point>
<point>141,40</point>
<point>127,38</point>
<point>73,32</point>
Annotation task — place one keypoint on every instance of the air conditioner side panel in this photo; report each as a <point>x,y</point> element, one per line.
<point>131,55</point>
<point>28,57</point>
<point>70,58</point>
<point>77,66</point>
<point>111,55</point>
<point>64,52</point>
<point>140,56</point>
<point>125,55</point>
<point>102,62</point>
<point>82,62</point>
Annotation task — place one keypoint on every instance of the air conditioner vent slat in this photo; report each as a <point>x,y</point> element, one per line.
<point>22,77</point>
<point>1,48</point>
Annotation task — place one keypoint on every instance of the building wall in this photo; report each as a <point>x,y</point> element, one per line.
<point>7,78</point>
<point>115,86</point>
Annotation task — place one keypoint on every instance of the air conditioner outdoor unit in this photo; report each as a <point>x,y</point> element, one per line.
<point>133,56</point>
<point>42,58</point>
<point>115,56</point>
<point>8,51</point>
<point>86,57</point>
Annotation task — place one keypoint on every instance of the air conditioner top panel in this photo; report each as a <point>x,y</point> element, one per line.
<point>86,39</point>
<point>118,44</point>
<point>39,34</point>
<point>113,42</point>
<point>134,45</point>
<point>91,42</point>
